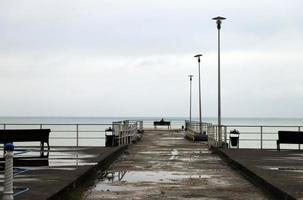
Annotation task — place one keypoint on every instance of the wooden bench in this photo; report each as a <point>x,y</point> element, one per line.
<point>26,135</point>
<point>289,137</point>
<point>162,123</point>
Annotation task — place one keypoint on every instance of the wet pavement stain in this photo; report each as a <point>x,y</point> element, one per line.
<point>161,167</point>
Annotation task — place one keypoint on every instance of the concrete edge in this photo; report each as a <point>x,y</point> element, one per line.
<point>103,164</point>
<point>271,190</point>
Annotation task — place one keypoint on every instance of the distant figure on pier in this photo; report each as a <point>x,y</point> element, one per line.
<point>162,120</point>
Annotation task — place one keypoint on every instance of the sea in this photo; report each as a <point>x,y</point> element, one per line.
<point>90,131</point>
<point>147,120</point>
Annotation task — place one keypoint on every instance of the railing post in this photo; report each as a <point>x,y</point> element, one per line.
<point>121,134</point>
<point>220,136</point>
<point>225,136</point>
<point>77,132</point>
<point>40,126</point>
<point>261,129</point>
<point>8,192</point>
<point>299,129</point>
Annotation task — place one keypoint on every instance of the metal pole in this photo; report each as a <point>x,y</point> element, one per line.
<point>200,108</point>
<point>219,88</point>
<point>261,137</point>
<point>190,94</point>
<point>219,21</point>
<point>77,129</point>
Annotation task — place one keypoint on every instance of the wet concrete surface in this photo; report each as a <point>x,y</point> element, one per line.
<point>163,165</point>
<point>63,169</point>
<point>280,172</point>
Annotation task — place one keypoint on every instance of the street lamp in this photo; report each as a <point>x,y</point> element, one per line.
<point>219,22</point>
<point>200,111</point>
<point>190,80</point>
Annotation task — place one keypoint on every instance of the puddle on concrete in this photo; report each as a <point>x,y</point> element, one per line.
<point>173,138</point>
<point>153,152</point>
<point>53,168</point>
<point>110,181</point>
<point>69,162</point>
<point>219,182</point>
<point>27,179</point>
<point>288,169</point>
<point>174,154</point>
<point>70,155</point>
<point>198,158</point>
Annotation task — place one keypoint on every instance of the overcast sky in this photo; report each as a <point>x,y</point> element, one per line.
<point>132,57</point>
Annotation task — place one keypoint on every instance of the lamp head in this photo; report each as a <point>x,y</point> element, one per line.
<point>190,77</point>
<point>219,18</point>
<point>198,56</point>
<point>219,21</point>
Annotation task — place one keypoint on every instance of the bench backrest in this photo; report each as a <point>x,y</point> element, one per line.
<point>24,135</point>
<point>294,137</point>
<point>162,123</point>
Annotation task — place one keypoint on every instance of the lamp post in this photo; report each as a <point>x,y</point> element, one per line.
<point>190,92</point>
<point>219,22</point>
<point>200,109</point>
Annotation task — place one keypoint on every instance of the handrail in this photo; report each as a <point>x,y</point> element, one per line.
<point>76,132</point>
<point>265,135</point>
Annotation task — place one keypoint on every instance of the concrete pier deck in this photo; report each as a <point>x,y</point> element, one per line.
<point>278,172</point>
<point>64,169</point>
<point>163,165</point>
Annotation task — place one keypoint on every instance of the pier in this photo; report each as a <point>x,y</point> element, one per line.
<point>158,163</point>
<point>163,165</point>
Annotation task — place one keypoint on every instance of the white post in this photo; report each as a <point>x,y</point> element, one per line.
<point>8,193</point>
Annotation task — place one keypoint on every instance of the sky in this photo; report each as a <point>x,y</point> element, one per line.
<point>133,57</point>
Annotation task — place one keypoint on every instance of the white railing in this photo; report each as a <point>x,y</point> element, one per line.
<point>78,134</point>
<point>194,126</point>
<point>125,132</point>
<point>251,136</point>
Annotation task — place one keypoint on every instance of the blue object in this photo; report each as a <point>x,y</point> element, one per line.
<point>9,147</point>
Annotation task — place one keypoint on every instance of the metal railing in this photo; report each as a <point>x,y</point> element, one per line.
<point>79,134</point>
<point>126,131</point>
<point>251,136</point>
<point>193,128</point>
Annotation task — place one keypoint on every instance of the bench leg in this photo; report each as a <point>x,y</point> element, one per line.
<point>42,149</point>
<point>278,146</point>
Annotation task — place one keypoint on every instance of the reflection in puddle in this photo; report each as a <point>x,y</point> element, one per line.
<point>110,181</point>
<point>174,154</point>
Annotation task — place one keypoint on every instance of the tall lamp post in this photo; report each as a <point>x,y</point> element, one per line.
<point>190,92</point>
<point>200,109</point>
<point>219,22</point>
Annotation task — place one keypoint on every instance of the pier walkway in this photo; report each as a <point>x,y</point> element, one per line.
<point>279,172</point>
<point>65,169</point>
<point>163,165</point>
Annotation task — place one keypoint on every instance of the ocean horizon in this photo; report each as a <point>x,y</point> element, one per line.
<point>91,130</point>
<point>288,121</point>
